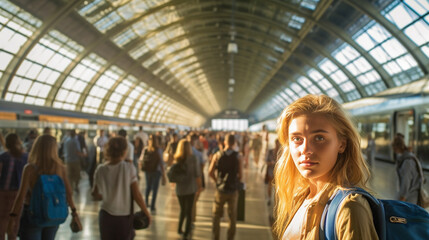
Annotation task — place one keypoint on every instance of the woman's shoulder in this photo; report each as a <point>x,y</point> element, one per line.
<point>355,205</point>
<point>355,218</point>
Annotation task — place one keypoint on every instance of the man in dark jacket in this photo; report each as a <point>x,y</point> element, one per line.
<point>226,171</point>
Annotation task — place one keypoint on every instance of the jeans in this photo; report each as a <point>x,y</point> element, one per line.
<point>220,200</point>
<point>30,232</point>
<point>186,203</point>
<point>152,184</point>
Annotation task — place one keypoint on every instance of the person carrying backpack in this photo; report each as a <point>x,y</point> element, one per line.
<point>320,156</point>
<point>226,170</point>
<point>407,170</point>
<point>40,220</point>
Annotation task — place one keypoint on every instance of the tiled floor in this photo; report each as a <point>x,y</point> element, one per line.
<point>255,226</point>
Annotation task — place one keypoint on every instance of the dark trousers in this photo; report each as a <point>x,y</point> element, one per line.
<point>115,227</point>
<point>186,202</point>
<point>152,184</point>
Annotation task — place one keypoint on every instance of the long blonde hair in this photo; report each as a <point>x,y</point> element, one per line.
<point>44,154</point>
<point>349,170</point>
<point>183,151</point>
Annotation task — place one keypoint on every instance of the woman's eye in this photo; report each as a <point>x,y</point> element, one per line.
<point>319,138</point>
<point>296,139</point>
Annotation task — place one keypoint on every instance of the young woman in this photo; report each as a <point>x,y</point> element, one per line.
<point>115,181</point>
<point>186,190</point>
<point>43,159</point>
<point>321,153</point>
<point>12,163</point>
<point>153,176</point>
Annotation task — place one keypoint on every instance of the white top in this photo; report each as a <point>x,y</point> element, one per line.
<point>293,231</point>
<point>144,137</point>
<point>114,184</point>
<point>130,151</point>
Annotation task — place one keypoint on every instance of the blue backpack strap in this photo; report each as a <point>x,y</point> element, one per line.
<point>327,223</point>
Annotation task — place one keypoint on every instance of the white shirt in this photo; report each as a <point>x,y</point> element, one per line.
<point>144,137</point>
<point>130,151</point>
<point>293,231</point>
<point>114,184</point>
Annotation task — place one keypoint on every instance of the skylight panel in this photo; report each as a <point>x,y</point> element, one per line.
<point>327,66</point>
<point>421,7</point>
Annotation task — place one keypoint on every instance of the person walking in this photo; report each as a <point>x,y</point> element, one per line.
<point>186,189</point>
<point>154,170</point>
<point>116,185</point>
<point>43,160</point>
<point>408,171</point>
<point>12,163</point>
<point>72,158</point>
<point>226,170</point>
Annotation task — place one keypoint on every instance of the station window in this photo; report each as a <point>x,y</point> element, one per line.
<point>230,124</point>
<point>130,101</point>
<point>16,26</point>
<point>99,90</point>
<point>41,68</point>
<point>309,85</point>
<point>70,91</point>
<point>287,99</point>
<point>412,18</point>
<point>360,68</point>
<point>124,37</point>
<point>309,4</point>
<point>340,78</point>
<point>387,51</point>
<point>119,93</point>
<point>291,94</point>
<point>298,90</point>
<point>316,76</point>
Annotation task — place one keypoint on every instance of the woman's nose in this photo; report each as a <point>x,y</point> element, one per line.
<point>306,148</point>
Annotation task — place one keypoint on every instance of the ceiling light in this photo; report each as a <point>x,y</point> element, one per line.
<point>231,89</point>
<point>231,81</point>
<point>232,47</point>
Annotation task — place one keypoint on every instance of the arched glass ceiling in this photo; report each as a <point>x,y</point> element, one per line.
<point>111,92</point>
<point>372,59</point>
<point>168,60</point>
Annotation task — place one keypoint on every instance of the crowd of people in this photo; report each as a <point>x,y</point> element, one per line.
<point>114,163</point>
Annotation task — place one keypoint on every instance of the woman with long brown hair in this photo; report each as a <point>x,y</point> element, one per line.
<point>12,163</point>
<point>43,159</point>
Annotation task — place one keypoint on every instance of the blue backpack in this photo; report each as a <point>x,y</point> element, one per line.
<point>392,219</point>
<point>48,204</point>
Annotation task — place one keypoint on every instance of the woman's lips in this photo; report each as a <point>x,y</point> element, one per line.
<point>306,163</point>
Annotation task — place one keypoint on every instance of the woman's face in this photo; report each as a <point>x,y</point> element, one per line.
<point>314,145</point>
